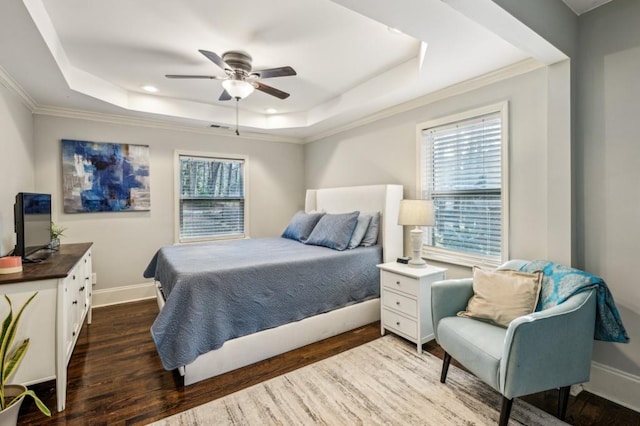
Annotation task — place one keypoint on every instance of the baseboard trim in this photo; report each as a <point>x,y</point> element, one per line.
<point>124,294</point>
<point>615,385</point>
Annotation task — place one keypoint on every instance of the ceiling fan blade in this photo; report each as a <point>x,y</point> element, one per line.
<point>270,90</point>
<point>224,96</point>
<point>213,57</point>
<point>274,72</point>
<point>210,77</point>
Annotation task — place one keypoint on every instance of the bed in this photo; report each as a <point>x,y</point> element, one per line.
<point>203,336</point>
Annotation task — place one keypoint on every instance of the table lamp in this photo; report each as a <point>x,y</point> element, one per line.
<point>416,213</point>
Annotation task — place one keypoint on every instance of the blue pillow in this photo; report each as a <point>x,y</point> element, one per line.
<point>334,230</point>
<point>371,236</point>
<point>301,225</point>
<point>361,228</point>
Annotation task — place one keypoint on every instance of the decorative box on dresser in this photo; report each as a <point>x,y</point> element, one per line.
<point>405,300</point>
<point>54,318</point>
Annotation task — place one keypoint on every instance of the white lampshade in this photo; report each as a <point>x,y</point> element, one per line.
<point>238,88</point>
<point>416,213</point>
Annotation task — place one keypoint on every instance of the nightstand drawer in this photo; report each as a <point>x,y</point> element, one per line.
<point>399,282</point>
<point>398,323</point>
<point>400,303</point>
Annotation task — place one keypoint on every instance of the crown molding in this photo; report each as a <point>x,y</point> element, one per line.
<point>158,124</point>
<point>16,89</point>
<point>514,70</point>
<point>519,68</point>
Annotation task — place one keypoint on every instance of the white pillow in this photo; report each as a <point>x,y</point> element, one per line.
<point>501,296</point>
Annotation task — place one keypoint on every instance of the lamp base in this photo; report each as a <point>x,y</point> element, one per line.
<point>417,263</point>
<point>416,247</point>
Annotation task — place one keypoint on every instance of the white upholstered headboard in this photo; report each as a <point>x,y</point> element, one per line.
<point>368,198</point>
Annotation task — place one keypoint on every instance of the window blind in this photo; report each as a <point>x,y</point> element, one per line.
<point>463,176</point>
<point>212,200</point>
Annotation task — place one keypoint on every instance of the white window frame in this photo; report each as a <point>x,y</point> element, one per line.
<point>176,191</point>
<point>452,256</point>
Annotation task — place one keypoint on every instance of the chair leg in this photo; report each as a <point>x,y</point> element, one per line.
<point>505,411</point>
<point>445,367</point>
<point>563,401</point>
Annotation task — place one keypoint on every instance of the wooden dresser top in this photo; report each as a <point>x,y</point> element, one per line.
<point>57,265</point>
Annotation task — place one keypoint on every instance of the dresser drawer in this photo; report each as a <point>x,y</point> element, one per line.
<point>399,283</point>
<point>398,323</point>
<point>400,303</point>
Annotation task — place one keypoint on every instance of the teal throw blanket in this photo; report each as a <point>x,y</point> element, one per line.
<point>561,282</point>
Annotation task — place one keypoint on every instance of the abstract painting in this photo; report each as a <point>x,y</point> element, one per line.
<point>105,177</point>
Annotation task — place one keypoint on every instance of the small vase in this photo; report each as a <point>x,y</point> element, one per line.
<point>55,243</point>
<point>9,416</point>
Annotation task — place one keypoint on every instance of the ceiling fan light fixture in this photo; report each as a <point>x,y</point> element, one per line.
<point>238,88</point>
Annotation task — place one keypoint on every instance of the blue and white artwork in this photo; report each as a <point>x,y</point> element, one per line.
<point>105,177</point>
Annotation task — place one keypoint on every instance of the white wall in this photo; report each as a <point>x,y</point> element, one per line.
<point>125,242</point>
<point>385,152</point>
<point>608,186</point>
<point>16,160</point>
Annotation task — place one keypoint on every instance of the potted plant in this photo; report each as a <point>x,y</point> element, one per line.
<point>56,233</point>
<point>11,396</point>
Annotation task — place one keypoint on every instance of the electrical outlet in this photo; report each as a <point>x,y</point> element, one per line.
<point>94,278</point>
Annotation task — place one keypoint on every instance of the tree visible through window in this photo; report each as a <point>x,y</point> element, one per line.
<point>211,198</point>
<point>463,173</point>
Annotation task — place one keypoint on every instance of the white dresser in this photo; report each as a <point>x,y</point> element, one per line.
<point>405,300</point>
<point>54,318</point>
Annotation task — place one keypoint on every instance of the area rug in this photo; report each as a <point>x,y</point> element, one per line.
<point>384,382</point>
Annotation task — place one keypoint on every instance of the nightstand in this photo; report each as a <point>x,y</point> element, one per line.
<point>405,300</point>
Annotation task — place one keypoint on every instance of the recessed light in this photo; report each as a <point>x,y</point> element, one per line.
<point>271,110</point>
<point>149,88</point>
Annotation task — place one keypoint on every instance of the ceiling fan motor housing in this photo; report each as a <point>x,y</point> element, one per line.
<point>238,61</point>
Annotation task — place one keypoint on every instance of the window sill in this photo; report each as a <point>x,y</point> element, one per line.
<point>459,258</point>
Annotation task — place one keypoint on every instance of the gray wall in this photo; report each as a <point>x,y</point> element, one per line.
<point>125,242</point>
<point>608,149</point>
<point>385,152</point>
<point>16,160</point>
<point>551,19</point>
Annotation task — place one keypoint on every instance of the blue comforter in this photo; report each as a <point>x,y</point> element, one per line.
<point>218,291</point>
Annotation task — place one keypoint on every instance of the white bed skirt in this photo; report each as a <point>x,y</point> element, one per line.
<point>246,350</point>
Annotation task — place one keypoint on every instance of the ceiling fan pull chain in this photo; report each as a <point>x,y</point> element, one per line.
<point>237,102</point>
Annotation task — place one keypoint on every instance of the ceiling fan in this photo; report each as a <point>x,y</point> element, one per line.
<point>240,79</point>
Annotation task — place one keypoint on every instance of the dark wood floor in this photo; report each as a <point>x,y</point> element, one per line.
<point>115,377</point>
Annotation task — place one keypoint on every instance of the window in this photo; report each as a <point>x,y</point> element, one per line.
<point>463,170</point>
<point>211,197</point>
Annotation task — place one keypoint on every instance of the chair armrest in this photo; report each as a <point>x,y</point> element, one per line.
<point>555,345</point>
<point>448,297</point>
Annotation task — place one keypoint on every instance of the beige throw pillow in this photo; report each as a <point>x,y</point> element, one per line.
<point>500,296</point>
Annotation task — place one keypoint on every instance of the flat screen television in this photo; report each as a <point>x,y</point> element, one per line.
<point>32,215</point>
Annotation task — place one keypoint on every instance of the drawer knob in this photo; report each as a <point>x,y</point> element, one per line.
<point>398,303</point>
<point>398,323</point>
<point>398,282</point>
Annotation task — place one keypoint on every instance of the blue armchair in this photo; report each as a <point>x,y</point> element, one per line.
<point>540,351</point>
